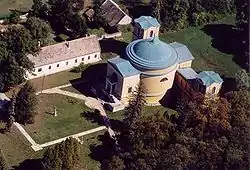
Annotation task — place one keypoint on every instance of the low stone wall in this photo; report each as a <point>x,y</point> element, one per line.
<point>113,35</point>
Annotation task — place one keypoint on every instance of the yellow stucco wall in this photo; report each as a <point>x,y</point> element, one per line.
<point>132,81</point>
<point>186,64</point>
<point>156,88</point>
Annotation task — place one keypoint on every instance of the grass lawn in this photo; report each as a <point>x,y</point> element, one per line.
<point>61,78</point>
<point>17,149</point>
<point>68,121</point>
<point>6,5</point>
<point>200,44</point>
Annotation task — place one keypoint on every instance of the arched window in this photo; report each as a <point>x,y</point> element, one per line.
<point>151,33</point>
<point>213,90</point>
<point>164,79</point>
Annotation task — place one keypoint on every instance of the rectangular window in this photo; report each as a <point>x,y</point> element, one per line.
<point>57,65</point>
<point>39,70</point>
<point>49,67</point>
<point>129,89</point>
<point>88,57</point>
<point>95,55</point>
<point>75,60</point>
<point>67,63</point>
<point>83,59</point>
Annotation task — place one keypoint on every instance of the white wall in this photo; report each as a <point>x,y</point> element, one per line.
<point>63,66</point>
<point>125,20</point>
<point>128,82</point>
<point>217,86</point>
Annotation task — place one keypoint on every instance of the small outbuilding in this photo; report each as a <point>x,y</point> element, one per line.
<point>114,14</point>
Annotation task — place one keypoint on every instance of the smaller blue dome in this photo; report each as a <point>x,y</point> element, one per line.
<point>151,54</point>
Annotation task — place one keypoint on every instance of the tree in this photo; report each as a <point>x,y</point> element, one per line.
<point>237,152</point>
<point>65,155</point>
<point>242,80</point>
<point>65,17</point>
<point>11,114</point>
<point>16,43</point>
<point>40,30</point>
<point>3,165</point>
<point>99,19</point>
<point>116,163</point>
<point>26,102</point>
<point>136,104</point>
<point>242,23</point>
<point>39,9</point>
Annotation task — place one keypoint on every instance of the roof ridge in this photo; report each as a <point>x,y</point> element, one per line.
<point>78,39</point>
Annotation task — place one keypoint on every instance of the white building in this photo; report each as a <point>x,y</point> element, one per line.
<point>62,56</point>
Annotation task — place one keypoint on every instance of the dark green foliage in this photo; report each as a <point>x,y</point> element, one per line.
<point>65,155</point>
<point>80,68</point>
<point>15,44</point>
<point>11,114</point>
<point>99,20</point>
<point>14,17</point>
<point>177,14</point>
<point>242,24</point>
<point>242,80</point>
<point>136,104</point>
<point>39,30</point>
<point>3,165</point>
<point>39,9</point>
<point>26,102</point>
<point>65,17</point>
<point>207,134</point>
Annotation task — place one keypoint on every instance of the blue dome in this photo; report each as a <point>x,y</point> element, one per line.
<point>151,54</point>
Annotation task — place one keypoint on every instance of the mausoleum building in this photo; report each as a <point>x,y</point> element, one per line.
<point>154,63</point>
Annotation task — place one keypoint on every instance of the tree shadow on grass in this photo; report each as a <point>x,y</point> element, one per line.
<point>93,76</point>
<point>113,46</point>
<point>103,151</point>
<point>29,164</point>
<point>93,116</point>
<point>226,39</point>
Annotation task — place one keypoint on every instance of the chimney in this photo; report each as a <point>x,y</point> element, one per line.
<point>67,44</point>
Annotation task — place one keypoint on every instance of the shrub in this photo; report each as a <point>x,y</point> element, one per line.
<point>99,32</point>
<point>80,68</point>
<point>125,28</point>
<point>62,37</point>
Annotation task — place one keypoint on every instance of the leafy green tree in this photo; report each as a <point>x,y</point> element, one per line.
<point>39,9</point>
<point>99,19</point>
<point>26,102</point>
<point>136,104</point>
<point>39,30</point>
<point>242,80</point>
<point>65,155</point>
<point>65,17</point>
<point>11,114</point>
<point>116,163</point>
<point>3,165</point>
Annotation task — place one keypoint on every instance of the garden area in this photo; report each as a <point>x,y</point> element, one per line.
<point>69,120</point>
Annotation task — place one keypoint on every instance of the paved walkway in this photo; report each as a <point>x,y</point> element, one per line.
<point>36,147</point>
<point>89,102</point>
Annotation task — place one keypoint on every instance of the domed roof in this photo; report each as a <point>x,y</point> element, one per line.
<point>151,54</point>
